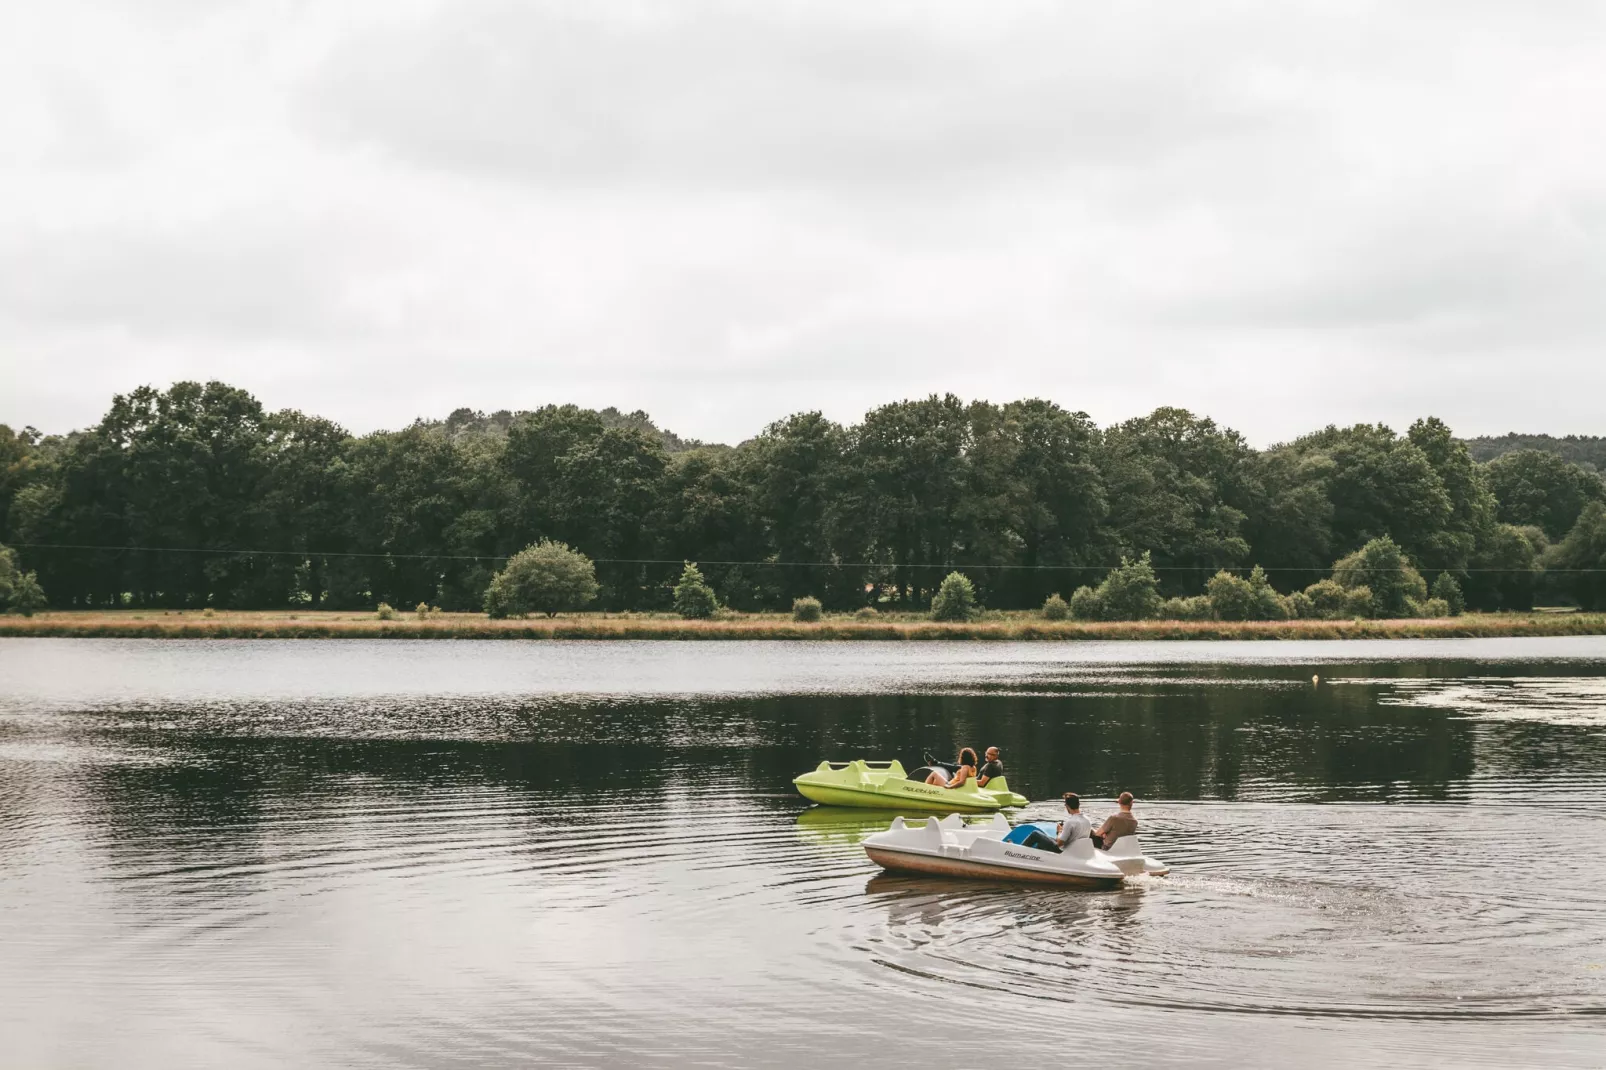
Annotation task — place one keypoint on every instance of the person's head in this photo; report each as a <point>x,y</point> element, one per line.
<point>1073,802</point>
<point>967,756</point>
<point>1125,800</point>
<point>992,754</point>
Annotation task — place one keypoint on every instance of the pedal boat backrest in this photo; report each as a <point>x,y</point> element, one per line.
<point>860,770</point>
<point>1125,847</point>
<point>929,830</point>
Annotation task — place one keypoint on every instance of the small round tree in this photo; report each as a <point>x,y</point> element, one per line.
<point>1383,567</point>
<point>1237,598</point>
<point>27,597</point>
<point>1131,592</point>
<point>694,599</point>
<point>1056,608</point>
<point>956,598</point>
<point>19,590</point>
<point>1231,597</point>
<point>1085,604</point>
<point>806,610</point>
<point>1446,588</point>
<point>547,577</point>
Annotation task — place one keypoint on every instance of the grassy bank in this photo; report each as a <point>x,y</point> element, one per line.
<point>157,624</point>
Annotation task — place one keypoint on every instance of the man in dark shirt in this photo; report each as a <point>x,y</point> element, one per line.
<point>992,767</point>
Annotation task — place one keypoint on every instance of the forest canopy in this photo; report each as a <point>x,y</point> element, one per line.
<point>198,496</point>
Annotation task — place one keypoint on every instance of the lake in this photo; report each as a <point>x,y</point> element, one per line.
<point>443,854</point>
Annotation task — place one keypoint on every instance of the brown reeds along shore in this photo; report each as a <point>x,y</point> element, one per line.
<point>311,624</point>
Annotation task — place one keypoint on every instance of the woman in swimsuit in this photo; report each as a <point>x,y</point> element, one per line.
<point>966,770</point>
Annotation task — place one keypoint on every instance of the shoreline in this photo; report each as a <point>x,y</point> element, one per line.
<point>273,624</point>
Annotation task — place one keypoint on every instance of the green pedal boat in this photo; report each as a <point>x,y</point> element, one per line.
<point>885,786</point>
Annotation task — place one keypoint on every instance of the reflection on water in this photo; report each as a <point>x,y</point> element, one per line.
<point>1403,864</point>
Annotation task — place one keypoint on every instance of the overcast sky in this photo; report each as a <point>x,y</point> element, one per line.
<point>1282,215</point>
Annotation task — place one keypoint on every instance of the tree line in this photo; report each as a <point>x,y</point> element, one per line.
<point>198,496</point>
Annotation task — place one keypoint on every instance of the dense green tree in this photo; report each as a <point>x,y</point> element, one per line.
<point>955,599</point>
<point>1504,572</point>
<point>810,508</point>
<point>1244,598</point>
<point>1129,592</point>
<point>1054,497</point>
<point>1448,591</point>
<point>694,599</point>
<point>1539,488</point>
<point>704,508</point>
<point>592,486</point>
<point>19,464</point>
<point>1580,558</point>
<point>1290,525</point>
<point>1378,484</point>
<point>1588,451</point>
<point>1472,505</point>
<point>19,591</point>
<point>1396,586</point>
<point>1175,485</point>
<point>547,577</point>
<point>196,496</point>
<point>910,460</point>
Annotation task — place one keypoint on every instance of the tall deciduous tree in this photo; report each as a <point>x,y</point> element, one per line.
<point>1539,488</point>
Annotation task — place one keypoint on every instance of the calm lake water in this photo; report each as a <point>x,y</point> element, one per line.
<point>445,854</point>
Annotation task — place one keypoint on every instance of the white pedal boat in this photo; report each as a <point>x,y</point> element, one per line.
<point>952,848</point>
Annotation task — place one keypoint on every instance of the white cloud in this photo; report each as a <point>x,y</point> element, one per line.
<point>1281,214</point>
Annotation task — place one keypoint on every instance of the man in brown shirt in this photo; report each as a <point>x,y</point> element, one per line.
<point>1121,823</point>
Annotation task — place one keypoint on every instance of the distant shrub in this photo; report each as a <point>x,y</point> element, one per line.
<point>422,611</point>
<point>955,599</point>
<point>1359,602</point>
<point>1327,599</point>
<point>866,613</point>
<point>1131,592</point>
<point>1086,605</point>
<point>1194,608</point>
<point>383,612</point>
<point>546,577</point>
<point>694,599</point>
<point>1252,598</point>
<point>806,610</point>
<point>1448,590</point>
<point>1382,566</point>
<point>209,612</point>
<point>19,590</point>
<point>1432,607</point>
<point>1056,608</point>
<point>1299,606</point>
<point>1230,597</point>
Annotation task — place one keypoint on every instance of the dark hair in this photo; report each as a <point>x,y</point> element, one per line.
<point>1125,799</point>
<point>1073,801</point>
<point>963,752</point>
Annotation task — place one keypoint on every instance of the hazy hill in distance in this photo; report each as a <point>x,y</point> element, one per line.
<point>1589,450</point>
<point>472,422</point>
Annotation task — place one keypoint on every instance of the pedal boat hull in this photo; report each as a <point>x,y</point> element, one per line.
<point>979,851</point>
<point>885,786</point>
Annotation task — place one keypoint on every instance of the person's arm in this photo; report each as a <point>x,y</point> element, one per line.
<point>965,773</point>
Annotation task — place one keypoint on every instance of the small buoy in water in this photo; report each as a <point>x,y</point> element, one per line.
<point>1315,680</point>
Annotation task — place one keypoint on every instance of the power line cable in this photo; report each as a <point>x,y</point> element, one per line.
<point>706,561</point>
